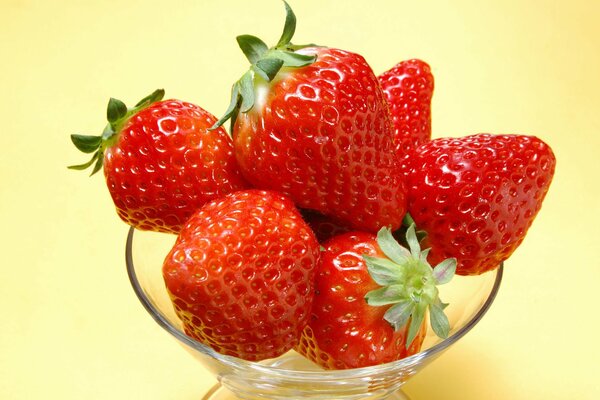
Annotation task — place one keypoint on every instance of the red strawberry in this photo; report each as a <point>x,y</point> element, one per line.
<point>408,87</point>
<point>371,297</point>
<point>313,123</point>
<point>476,196</point>
<point>160,161</point>
<point>241,274</point>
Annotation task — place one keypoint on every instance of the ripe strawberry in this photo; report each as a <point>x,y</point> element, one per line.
<point>408,88</point>
<point>476,196</point>
<point>160,161</point>
<point>241,274</point>
<point>313,123</point>
<point>345,331</point>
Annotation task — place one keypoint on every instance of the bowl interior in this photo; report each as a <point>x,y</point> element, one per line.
<point>468,297</point>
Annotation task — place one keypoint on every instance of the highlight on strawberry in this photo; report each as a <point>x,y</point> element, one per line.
<point>160,161</point>
<point>321,151</point>
<point>371,298</point>
<point>408,88</point>
<point>241,274</point>
<point>313,122</point>
<point>476,196</point>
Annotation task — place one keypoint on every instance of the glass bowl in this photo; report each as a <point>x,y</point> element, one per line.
<point>291,376</point>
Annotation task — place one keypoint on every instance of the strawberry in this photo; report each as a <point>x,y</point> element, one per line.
<point>476,196</point>
<point>313,123</point>
<point>160,161</point>
<point>371,297</point>
<point>241,274</point>
<point>408,88</point>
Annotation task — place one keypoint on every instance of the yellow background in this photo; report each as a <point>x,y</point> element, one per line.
<point>71,327</point>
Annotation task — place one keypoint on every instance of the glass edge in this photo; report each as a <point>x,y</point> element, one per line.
<point>151,309</point>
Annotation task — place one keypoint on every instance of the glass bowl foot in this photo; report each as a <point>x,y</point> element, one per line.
<point>218,392</point>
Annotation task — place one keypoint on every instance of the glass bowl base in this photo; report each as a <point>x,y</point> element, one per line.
<point>218,392</point>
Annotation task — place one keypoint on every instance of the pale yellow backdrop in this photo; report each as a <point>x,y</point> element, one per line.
<point>71,327</point>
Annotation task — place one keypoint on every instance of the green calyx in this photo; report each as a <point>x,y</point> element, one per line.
<point>409,284</point>
<point>265,64</point>
<point>117,114</point>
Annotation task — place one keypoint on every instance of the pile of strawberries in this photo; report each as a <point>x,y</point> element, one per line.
<point>304,229</point>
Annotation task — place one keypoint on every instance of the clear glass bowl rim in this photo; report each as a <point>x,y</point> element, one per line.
<point>324,375</point>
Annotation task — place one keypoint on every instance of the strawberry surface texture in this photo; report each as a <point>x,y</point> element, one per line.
<point>476,196</point>
<point>371,297</point>
<point>408,88</point>
<point>161,163</point>
<point>241,274</point>
<point>320,150</point>
<point>313,122</point>
<point>323,135</point>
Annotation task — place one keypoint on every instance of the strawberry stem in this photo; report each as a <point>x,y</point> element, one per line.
<point>266,63</point>
<point>409,284</point>
<point>289,28</point>
<point>117,115</point>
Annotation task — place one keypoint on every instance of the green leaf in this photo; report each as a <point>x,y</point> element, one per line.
<point>86,143</point>
<point>408,220</point>
<point>247,92</point>
<point>413,242</point>
<point>441,304</point>
<point>295,47</point>
<point>383,271</point>
<point>386,295</point>
<point>252,47</point>
<point>108,132</point>
<point>399,314</point>
<point>116,110</point>
<point>81,167</point>
<point>291,59</point>
<point>153,97</point>
<point>98,164</point>
<point>390,246</point>
<point>269,67</point>
<point>444,271</point>
<point>424,254</point>
<point>439,321</point>
<point>418,316</point>
<point>289,27</point>
<point>232,109</point>
<point>261,73</point>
